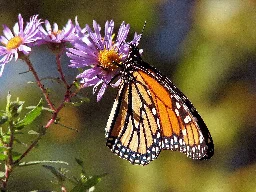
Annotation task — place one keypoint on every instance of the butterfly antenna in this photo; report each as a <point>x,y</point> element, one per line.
<point>144,26</point>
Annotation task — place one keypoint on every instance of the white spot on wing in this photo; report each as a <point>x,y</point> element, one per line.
<point>178,105</point>
<point>154,111</point>
<point>184,132</point>
<point>187,119</point>
<point>177,112</point>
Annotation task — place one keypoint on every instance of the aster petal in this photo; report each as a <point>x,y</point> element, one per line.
<point>48,26</point>
<point>123,32</point>
<point>1,69</point>
<point>101,91</point>
<point>76,54</point>
<point>31,30</point>
<point>116,84</point>
<point>68,27</point>
<point>79,63</point>
<point>88,29</point>
<point>89,82</point>
<point>109,27</point>
<point>83,49</point>
<point>79,31</point>
<point>67,31</point>
<point>2,50</point>
<point>3,40</point>
<point>16,55</point>
<point>97,41</point>
<point>96,86</point>
<point>96,37</point>
<point>6,59</point>
<point>77,26</point>
<point>32,26</point>
<point>88,42</point>
<point>97,29</point>
<point>42,30</point>
<point>88,74</point>
<point>16,29</point>
<point>7,32</point>
<point>55,27</point>
<point>20,20</point>
<point>136,39</point>
<point>25,49</point>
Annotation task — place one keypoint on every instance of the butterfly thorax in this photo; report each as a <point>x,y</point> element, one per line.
<point>131,64</point>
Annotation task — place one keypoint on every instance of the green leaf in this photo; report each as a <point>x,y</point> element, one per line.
<point>59,175</point>
<point>6,138</point>
<point>30,116</point>
<point>43,108</point>
<point>87,183</point>
<point>2,174</point>
<point>20,142</point>
<point>15,108</point>
<point>8,99</point>
<point>2,157</point>
<point>32,132</point>
<point>3,148</point>
<point>40,162</point>
<point>15,155</point>
<point>80,162</point>
<point>3,118</point>
<point>77,84</point>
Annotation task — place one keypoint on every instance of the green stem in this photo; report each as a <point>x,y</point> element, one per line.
<point>9,159</point>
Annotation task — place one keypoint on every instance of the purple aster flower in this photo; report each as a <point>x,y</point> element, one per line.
<point>18,41</point>
<point>102,54</point>
<point>55,35</point>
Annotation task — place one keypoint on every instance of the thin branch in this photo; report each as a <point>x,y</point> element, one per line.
<point>40,85</point>
<point>59,67</point>
<point>28,149</point>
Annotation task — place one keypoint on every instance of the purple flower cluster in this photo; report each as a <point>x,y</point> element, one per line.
<point>99,55</point>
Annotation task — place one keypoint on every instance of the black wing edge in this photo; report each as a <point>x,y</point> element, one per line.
<point>203,128</point>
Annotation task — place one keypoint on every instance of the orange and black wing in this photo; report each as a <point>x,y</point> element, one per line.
<point>150,114</point>
<point>182,128</point>
<point>133,130</point>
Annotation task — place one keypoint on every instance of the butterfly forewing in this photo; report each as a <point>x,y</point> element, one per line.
<point>178,118</point>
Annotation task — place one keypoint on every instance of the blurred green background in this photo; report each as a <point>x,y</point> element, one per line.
<point>207,48</point>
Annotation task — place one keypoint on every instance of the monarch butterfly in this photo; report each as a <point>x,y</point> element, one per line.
<point>150,114</point>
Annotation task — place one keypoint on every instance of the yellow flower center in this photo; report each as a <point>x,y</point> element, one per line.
<point>56,33</point>
<point>109,59</point>
<point>14,43</point>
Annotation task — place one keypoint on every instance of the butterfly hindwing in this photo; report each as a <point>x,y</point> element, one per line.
<point>130,132</point>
